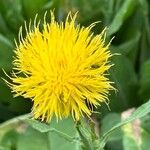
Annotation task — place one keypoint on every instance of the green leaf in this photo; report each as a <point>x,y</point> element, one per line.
<point>126,47</point>
<point>130,139</point>
<point>144,5</point>
<point>67,127</point>
<point>145,81</point>
<point>5,41</point>
<point>145,132</point>
<point>3,26</point>
<point>62,132</point>
<point>40,126</point>
<point>145,44</point>
<point>31,139</point>
<point>31,8</point>
<point>139,113</point>
<point>86,7</point>
<point>12,13</point>
<point>48,5</point>
<point>114,145</point>
<point>137,134</point>
<point>12,106</point>
<point>145,139</point>
<point>145,40</point>
<point>23,137</point>
<point>129,143</point>
<point>11,124</point>
<point>9,140</point>
<point>116,137</point>
<point>125,81</point>
<point>108,123</point>
<point>123,13</point>
<point>5,53</point>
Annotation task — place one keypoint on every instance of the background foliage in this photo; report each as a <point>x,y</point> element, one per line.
<point>128,21</point>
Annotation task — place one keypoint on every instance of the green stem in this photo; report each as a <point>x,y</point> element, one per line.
<point>89,139</point>
<point>85,140</point>
<point>93,132</point>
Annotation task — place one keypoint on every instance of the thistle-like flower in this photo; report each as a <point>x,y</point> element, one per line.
<point>62,68</point>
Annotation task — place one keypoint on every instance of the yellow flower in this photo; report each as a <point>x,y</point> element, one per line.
<point>62,69</point>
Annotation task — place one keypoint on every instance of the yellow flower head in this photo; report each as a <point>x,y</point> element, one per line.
<point>62,69</point>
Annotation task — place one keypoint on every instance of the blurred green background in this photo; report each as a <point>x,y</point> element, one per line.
<point>127,20</point>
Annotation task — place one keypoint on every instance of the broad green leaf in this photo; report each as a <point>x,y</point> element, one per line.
<point>3,109</point>
<point>9,140</point>
<point>145,44</point>
<point>145,40</point>
<point>11,124</point>
<point>123,13</point>
<point>62,132</point>
<point>31,139</point>
<point>137,134</point>
<point>48,5</point>
<point>12,106</point>
<point>116,137</point>
<point>125,81</point>
<point>145,132</point>
<point>144,6</point>
<point>145,123</point>
<point>145,81</point>
<point>86,7</point>
<point>12,13</point>
<point>130,139</point>
<point>139,113</point>
<point>23,137</point>
<point>114,145</point>
<point>3,26</point>
<point>129,143</point>
<point>16,134</point>
<point>109,10</point>
<point>108,122</point>
<point>127,47</point>
<point>145,140</point>
<point>6,41</point>
<point>41,127</point>
<point>31,8</point>
<point>67,127</point>
<point>5,53</point>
